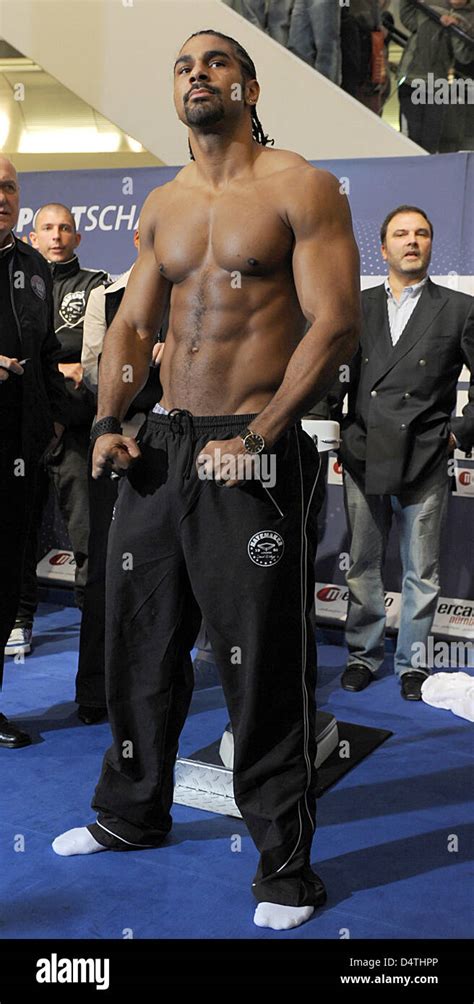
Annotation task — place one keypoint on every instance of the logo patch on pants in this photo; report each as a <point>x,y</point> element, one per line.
<point>266,548</point>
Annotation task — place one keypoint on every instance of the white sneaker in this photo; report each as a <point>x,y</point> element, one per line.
<point>19,642</point>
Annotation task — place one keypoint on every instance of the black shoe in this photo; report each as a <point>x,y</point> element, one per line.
<point>90,716</point>
<point>356,677</point>
<point>11,736</point>
<point>411,684</point>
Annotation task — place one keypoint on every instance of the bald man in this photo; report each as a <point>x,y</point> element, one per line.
<point>56,238</point>
<point>32,402</point>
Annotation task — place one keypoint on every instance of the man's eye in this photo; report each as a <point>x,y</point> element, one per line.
<point>216,62</point>
<point>183,69</point>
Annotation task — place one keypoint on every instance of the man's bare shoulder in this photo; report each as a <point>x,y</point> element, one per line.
<point>158,195</point>
<point>295,169</point>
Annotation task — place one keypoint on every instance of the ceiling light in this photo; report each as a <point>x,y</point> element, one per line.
<point>134,145</point>
<point>73,140</point>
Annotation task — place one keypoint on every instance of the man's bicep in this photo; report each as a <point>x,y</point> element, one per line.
<point>146,296</point>
<point>325,257</point>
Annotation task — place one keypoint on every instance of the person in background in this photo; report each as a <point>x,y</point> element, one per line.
<point>396,441</point>
<point>279,20</point>
<point>56,238</point>
<point>33,405</point>
<point>273,16</point>
<point>252,10</point>
<point>102,306</point>
<point>432,49</point>
<point>365,69</point>
<point>315,35</point>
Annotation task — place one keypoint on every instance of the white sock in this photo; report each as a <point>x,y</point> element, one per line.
<point>76,841</point>
<point>280,917</point>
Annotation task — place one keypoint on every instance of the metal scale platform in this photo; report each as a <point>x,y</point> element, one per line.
<point>205,781</point>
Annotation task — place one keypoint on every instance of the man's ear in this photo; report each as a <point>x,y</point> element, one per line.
<point>33,239</point>
<point>252,92</point>
<point>78,239</point>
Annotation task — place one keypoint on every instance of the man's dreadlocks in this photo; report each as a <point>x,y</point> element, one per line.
<point>247,66</point>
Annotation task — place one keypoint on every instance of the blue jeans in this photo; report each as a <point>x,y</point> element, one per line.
<point>315,35</point>
<point>278,19</point>
<point>419,514</point>
<point>274,16</point>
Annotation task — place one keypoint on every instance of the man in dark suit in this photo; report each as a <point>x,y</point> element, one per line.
<point>33,404</point>
<point>396,440</point>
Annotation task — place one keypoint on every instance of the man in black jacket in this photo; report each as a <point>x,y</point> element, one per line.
<point>102,307</point>
<point>32,402</point>
<point>396,442</point>
<point>56,238</point>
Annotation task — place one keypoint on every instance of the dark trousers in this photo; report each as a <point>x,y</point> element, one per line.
<point>67,468</point>
<point>14,494</point>
<point>242,558</point>
<point>424,123</point>
<point>90,679</point>
<point>28,602</point>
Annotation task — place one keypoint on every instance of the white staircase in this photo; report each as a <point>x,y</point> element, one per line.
<point>118,55</point>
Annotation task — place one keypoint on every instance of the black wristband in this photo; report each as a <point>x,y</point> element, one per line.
<point>104,427</point>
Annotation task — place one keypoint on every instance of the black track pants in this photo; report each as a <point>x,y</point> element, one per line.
<point>242,557</point>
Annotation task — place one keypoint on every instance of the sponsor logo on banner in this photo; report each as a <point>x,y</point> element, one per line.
<point>331,604</point>
<point>87,218</point>
<point>464,481</point>
<point>454,617</point>
<point>57,565</point>
<point>334,471</point>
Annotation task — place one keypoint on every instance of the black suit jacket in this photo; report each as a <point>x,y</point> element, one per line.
<point>44,393</point>
<point>401,397</point>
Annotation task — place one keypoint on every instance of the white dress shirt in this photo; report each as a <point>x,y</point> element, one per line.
<point>400,311</point>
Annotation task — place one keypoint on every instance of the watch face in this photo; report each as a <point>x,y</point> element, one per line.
<point>254,443</point>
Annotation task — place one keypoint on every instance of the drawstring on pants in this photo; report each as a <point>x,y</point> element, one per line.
<point>181,423</point>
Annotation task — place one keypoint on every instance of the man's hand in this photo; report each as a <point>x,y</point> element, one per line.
<point>7,365</point>
<point>452,445</point>
<point>226,462</point>
<point>448,19</point>
<point>72,371</point>
<point>113,453</point>
<point>157,353</point>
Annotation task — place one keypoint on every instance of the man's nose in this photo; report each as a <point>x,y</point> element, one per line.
<point>199,74</point>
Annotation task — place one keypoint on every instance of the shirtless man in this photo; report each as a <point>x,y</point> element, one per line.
<point>249,244</point>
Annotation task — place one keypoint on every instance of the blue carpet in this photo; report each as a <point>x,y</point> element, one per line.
<point>391,845</point>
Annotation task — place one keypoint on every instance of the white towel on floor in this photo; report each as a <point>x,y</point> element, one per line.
<point>453,691</point>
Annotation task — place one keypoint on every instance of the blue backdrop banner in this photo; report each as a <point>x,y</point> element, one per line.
<point>107,205</point>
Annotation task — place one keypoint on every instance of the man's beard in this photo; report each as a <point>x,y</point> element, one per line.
<point>202,113</point>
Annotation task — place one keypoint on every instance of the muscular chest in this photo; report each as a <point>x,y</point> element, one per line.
<point>231,234</point>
